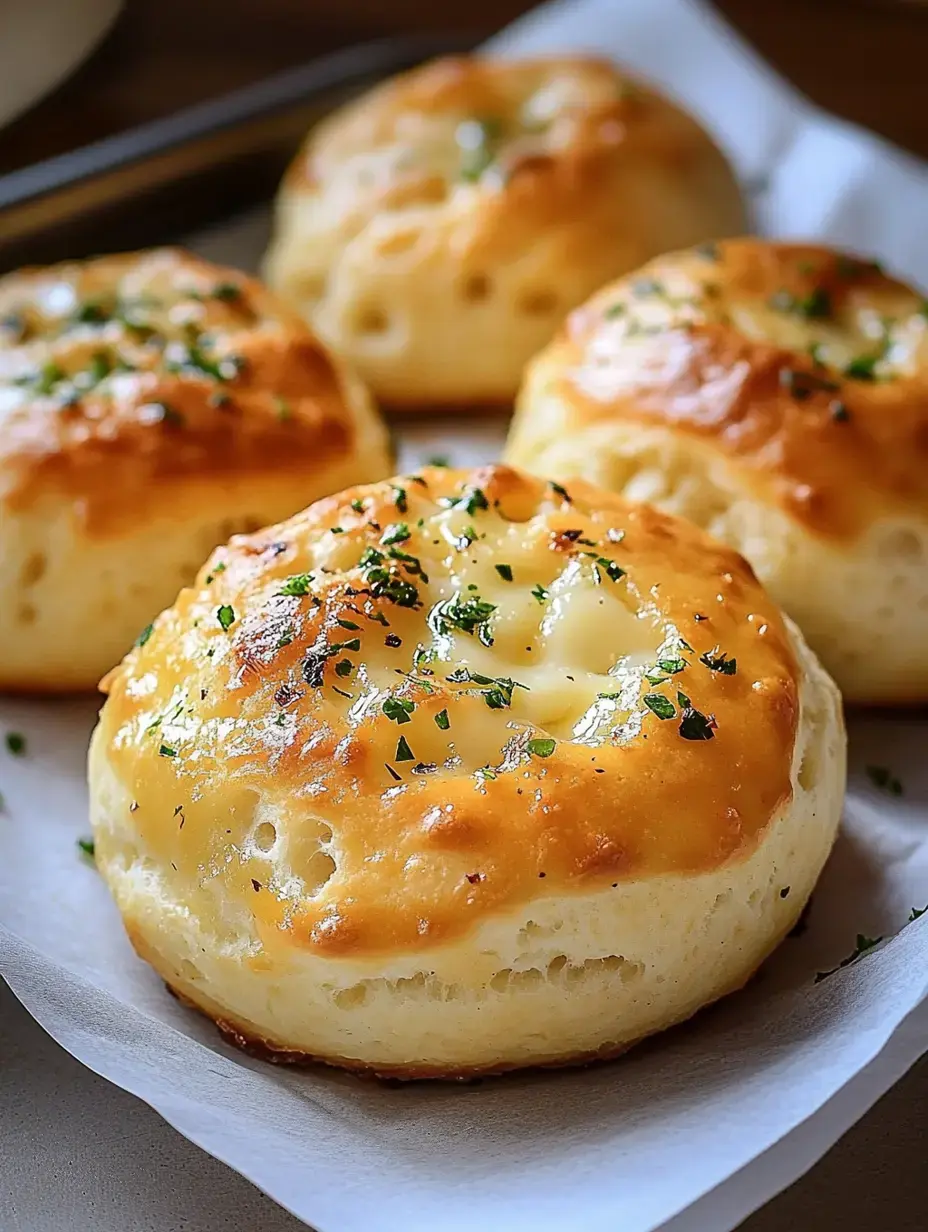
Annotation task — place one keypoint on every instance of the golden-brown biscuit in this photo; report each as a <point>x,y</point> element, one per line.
<point>465,772</point>
<point>437,230</point>
<point>777,395</point>
<point>150,405</point>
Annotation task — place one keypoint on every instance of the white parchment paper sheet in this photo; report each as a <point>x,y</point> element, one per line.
<point>745,1097</point>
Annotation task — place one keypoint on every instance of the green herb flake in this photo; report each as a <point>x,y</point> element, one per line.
<point>882,777</point>
<point>915,913</point>
<point>396,532</point>
<point>343,667</point>
<point>403,751</point>
<point>144,635</point>
<point>357,505</point>
<point>662,706</point>
<point>838,411</point>
<point>470,614</point>
<point>504,571</point>
<point>225,615</point>
<point>439,460</point>
<point>694,725</point>
<point>398,709</point>
<point>477,139</point>
<point>559,491</point>
<point>862,367</point>
<point>399,499</point>
<point>862,946</point>
<point>442,721</point>
<point>166,751</point>
<point>16,743</point>
<point>471,500</point>
<point>540,593</point>
<point>347,624</point>
<point>299,584</point>
<point>718,662</point>
<point>87,847</point>
<point>541,746</point>
<point>227,291</point>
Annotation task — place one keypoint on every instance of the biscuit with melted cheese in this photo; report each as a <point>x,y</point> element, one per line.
<point>465,772</point>
<point>436,231</point>
<point>150,405</point>
<point>777,395</point>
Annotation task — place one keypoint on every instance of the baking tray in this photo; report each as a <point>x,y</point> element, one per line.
<point>151,184</point>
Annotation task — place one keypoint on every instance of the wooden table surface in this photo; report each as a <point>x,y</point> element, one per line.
<point>863,61</point>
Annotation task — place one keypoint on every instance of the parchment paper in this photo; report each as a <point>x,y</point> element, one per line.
<point>697,1127</point>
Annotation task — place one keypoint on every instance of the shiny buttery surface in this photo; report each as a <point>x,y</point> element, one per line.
<point>806,366</point>
<point>123,374</point>
<point>444,741</point>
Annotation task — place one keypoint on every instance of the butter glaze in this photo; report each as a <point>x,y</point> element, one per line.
<point>236,710</point>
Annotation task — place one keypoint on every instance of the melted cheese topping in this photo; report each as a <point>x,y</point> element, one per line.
<point>421,702</point>
<point>124,372</point>
<point>808,366</point>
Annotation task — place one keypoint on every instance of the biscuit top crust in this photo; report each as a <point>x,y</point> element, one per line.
<point>426,701</point>
<point>124,374</point>
<point>806,366</point>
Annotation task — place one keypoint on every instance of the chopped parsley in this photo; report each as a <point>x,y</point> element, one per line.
<point>802,385</point>
<point>166,751</point>
<point>343,667</point>
<point>815,306</point>
<point>541,746</point>
<point>504,571</point>
<point>396,532</point>
<point>839,411</point>
<point>662,706</point>
<point>862,946</point>
<point>559,491</point>
<point>86,845</point>
<point>468,613</point>
<point>882,777</point>
<point>861,367</point>
<point>225,615</point>
<point>398,709</point>
<point>442,721</point>
<point>719,663</point>
<point>347,624</point>
<point>357,505</point>
<point>539,592</point>
<point>403,751</point>
<point>915,913</point>
<point>314,668</point>
<point>298,584</point>
<point>384,581</point>
<point>694,725</point>
<point>399,499</point>
<point>144,635</point>
<point>471,500</point>
<point>647,286</point>
<point>613,571</point>
<point>16,743</point>
<point>477,140</point>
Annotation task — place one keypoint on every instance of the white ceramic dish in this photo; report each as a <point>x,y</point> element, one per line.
<point>42,41</point>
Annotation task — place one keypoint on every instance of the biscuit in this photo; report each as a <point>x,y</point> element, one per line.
<point>436,230</point>
<point>465,772</point>
<point>151,404</point>
<point>777,395</point>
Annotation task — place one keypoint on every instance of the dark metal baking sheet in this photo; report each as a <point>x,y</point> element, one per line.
<point>153,183</point>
